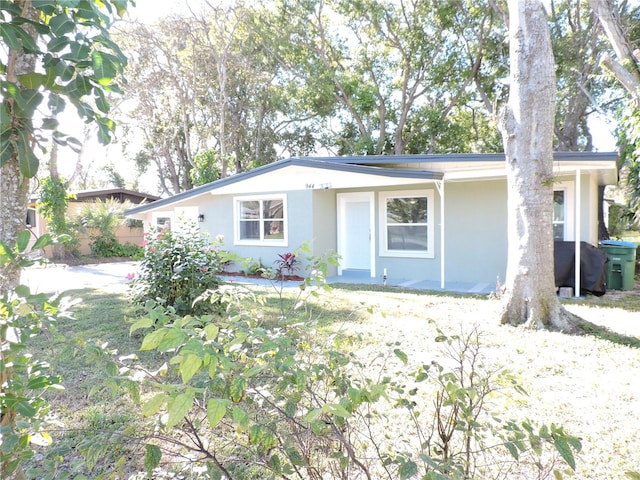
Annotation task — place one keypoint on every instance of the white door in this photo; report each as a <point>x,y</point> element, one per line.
<point>355,236</point>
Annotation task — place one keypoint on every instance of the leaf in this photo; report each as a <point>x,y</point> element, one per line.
<point>22,242</point>
<point>295,457</point>
<point>336,409</point>
<point>27,160</point>
<point>145,322</point>
<point>154,404</point>
<point>152,340</point>
<point>101,101</point>
<point>173,338</point>
<point>105,66</point>
<point>632,475</point>
<point>32,80</point>
<point>27,102</point>
<point>9,443</point>
<point>237,388</point>
<point>56,103</point>
<point>513,450</point>
<point>42,241</point>
<point>401,355</point>
<point>178,408</point>
<point>64,71</point>
<point>312,415</point>
<point>24,408</point>
<point>189,367</point>
<point>240,418</point>
<point>152,457</point>
<point>57,44</point>
<point>211,331</point>
<point>105,127</point>
<point>563,448</point>
<point>61,24</point>
<point>79,52</point>
<point>408,469</point>
<point>38,383</point>
<point>216,409</point>
<point>16,38</point>
<point>6,149</point>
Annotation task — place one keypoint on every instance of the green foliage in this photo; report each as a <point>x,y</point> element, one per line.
<point>629,138</point>
<point>178,266</point>
<point>463,428</point>
<point>23,378</point>
<point>206,168</point>
<point>263,397</point>
<point>77,63</point>
<point>102,218</point>
<point>52,205</point>
<point>620,220</point>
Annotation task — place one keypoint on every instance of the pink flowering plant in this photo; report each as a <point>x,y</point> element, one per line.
<point>178,267</point>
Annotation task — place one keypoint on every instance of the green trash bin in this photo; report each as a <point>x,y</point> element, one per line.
<point>621,266</point>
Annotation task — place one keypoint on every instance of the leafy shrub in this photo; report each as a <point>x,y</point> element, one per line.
<point>24,410</point>
<point>102,218</point>
<point>286,262</point>
<point>107,248</point>
<point>260,397</point>
<point>177,267</point>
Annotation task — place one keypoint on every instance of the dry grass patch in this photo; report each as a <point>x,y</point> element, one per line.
<point>588,385</point>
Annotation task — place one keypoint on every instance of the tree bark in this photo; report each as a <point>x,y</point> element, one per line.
<point>14,187</point>
<point>626,66</point>
<point>526,125</point>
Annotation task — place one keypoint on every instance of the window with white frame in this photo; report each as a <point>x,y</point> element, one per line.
<point>406,224</point>
<point>563,215</point>
<point>559,215</point>
<point>261,220</point>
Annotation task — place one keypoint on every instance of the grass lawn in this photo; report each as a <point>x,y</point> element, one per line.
<point>589,385</point>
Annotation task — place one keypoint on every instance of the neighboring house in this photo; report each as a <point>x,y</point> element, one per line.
<point>124,234</point>
<point>440,218</point>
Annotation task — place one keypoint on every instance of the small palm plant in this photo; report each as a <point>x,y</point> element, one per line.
<point>102,218</point>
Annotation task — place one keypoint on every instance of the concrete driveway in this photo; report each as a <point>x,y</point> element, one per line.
<point>60,278</point>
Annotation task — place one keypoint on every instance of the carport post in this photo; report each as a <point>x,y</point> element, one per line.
<point>440,187</point>
<point>578,210</point>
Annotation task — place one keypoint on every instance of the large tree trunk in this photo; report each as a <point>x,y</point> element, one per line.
<point>527,129</point>
<point>14,187</point>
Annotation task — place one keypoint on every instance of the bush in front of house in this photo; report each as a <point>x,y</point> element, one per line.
<point>177,267</point>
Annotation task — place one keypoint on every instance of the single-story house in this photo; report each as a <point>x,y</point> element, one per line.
<point>435,218</point>
<point>125,234</point>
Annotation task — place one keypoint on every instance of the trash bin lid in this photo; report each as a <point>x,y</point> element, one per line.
<point>618,243</point>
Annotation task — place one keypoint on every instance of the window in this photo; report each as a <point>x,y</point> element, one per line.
<point>31,217</point>
<point>563,215</point>
<point>406,224</point>
<point>163,222</point>
<point>559,215</point>
<point>261,220</point>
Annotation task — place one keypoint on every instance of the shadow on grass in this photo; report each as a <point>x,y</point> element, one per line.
<point>604,333</point>
<point>387,289</point>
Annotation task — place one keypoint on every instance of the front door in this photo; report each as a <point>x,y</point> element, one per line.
<point>355,236</point>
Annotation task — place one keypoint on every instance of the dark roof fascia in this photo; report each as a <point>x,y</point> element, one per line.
<point>112,191</point>
<point>301,162</point>
<point>460,157</point>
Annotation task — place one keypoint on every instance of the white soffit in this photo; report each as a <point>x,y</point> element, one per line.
<point>298,177</point>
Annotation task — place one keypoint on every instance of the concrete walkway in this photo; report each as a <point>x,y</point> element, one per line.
<point>54,278</point>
